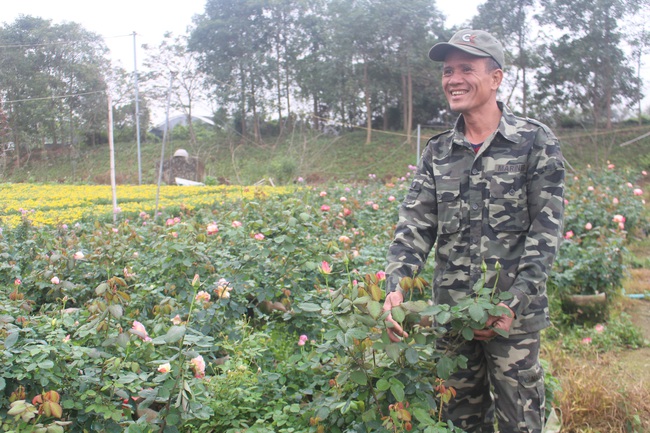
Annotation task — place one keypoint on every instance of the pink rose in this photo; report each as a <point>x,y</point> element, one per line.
<point>236,224</point>
<point>212,229</point>
<point>324,208</point>
<point>325,268</point>
<point>198,366</point>
<point>223,289</point>
<point>55,280</point>
<point>139,330</point>
<point>202,296</point>
<point>638,191</point>
<point>588,226</point>
<point>259,236</point>
<point>165,368</point>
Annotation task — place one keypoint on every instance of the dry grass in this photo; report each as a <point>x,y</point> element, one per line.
<point>638,281</point>
<point>598,394</point>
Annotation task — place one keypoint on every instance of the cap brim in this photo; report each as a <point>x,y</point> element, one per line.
<point>439,52</point>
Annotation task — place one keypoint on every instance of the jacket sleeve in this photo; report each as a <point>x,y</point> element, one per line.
<point>416,228</point>
<point>545,183</point>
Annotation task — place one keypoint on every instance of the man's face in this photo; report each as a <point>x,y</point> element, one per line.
<point>467,83</point>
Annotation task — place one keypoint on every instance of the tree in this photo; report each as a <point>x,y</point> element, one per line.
<point>357,34</point>
<point>233,40</point>
<point>121,84</point>
<point>289,42</point>
<point>408,77</point>
<point>52,80</point>
<point>172,61</point>
<point>509,21</point>
<point>585,65</point>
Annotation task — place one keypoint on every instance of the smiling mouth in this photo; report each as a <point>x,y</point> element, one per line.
<point>458,92</point>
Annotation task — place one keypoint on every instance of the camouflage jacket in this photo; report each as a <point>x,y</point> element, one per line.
<point>504,203</point>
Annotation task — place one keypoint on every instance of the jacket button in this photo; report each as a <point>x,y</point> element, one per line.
<point>474,206</point>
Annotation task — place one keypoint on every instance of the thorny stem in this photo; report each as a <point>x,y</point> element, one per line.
<point>181,358</point>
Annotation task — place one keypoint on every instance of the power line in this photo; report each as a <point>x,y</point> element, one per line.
<point>46,44</point>
<point>54,97</point>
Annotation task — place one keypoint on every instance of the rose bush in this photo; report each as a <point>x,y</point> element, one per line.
<point>603,208</point>
<point>260,313</point>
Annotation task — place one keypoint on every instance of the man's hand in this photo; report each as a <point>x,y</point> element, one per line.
<point>395,332</point>
<point>501,322</point>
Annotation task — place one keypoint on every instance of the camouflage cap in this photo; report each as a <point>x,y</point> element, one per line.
<point>475,42</point>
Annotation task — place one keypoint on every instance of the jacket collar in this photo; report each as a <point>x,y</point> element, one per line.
<point>506,126</point>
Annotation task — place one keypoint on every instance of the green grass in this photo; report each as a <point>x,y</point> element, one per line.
<point>315,157</point>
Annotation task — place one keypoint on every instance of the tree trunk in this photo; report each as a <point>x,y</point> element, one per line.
<point>256,125</point>
<point>288,91</point>
<point>384,110</point>
<point>316,114</point>
<point>409,125</point>
<point>279,83</point>
<point>243,105</point>
<point>404,104</point>
<point>366,86</point>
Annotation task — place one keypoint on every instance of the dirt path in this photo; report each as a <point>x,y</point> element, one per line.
<point>636,362</point>
<point>630,369</point>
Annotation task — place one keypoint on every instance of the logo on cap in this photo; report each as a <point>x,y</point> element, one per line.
<point>469,38</point>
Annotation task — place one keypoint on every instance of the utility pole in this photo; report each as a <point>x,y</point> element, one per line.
<point>137,110</point>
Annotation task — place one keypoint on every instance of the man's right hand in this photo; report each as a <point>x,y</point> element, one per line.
<point>395,332</point>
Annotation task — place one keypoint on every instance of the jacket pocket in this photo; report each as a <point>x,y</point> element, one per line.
<point>449,205</point>
<point>508,206</point>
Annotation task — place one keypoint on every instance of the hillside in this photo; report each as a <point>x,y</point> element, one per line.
<point>314,157</point>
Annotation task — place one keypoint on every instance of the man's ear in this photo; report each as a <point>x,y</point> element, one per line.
<point>497,77</point>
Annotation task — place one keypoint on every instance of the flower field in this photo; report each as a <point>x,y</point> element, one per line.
<point>237,309</point>
<point>64,204</point>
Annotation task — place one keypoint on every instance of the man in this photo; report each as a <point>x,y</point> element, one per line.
<point>490,189</point>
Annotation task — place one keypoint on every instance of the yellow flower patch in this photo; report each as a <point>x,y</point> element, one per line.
<point>65,204</point>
